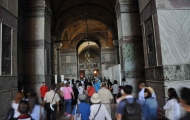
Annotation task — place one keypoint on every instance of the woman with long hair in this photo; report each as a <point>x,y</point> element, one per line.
<point>172,105</point>
<point>19,96</point>
<point>36,110</point>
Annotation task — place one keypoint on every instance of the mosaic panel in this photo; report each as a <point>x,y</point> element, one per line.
<point>155,74</point>
<point>176,72</point>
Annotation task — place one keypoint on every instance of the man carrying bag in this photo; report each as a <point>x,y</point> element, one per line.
<point>51,101</point>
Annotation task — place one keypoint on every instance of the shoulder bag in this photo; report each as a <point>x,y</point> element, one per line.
<point>97,111</point>
<point>77,115</point>
<point>48,105</point>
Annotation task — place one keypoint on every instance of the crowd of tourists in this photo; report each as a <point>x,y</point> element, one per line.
<point>95,99</point>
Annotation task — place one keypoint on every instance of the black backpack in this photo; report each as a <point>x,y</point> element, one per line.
<point>132,111</point>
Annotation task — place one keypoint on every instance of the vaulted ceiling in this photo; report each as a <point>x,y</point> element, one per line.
<point>69,21</point>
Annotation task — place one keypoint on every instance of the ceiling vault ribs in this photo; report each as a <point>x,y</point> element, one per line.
<point>75,21</point>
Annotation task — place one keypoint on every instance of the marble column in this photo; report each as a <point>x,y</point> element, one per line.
<point>53,57</point>
<point>116,43</point>
<point>130,42</point>
<point>37,44</point>
<point>58,45</point>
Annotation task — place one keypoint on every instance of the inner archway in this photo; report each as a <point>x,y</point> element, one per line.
<point>89,59</point>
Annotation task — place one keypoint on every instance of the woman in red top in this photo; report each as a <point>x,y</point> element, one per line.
<point>90,91</point>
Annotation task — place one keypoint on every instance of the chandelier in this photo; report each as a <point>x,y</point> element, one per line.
<point>88,62</point>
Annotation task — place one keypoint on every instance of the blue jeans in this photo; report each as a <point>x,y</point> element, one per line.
<point>68,105</point>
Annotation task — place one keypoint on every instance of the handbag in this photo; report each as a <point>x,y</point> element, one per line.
<point>77,115</point>
<point>10,114</point>
<point>97,111</point>
<point>48,106</point>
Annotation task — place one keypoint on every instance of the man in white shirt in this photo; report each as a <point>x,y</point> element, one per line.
<point>53,98</point>
<point>106,97</point>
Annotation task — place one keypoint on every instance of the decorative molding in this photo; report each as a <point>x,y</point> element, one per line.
<point>134,74</point>
<point>129,7</point>
<point>7,18</point>
<point>116,42</point>
<point>37,79</point>
<point>176,72</point>
<point>37,44</point>
<point>36,3</point>
<point>148,11</point>
<point>40,8</point>
<point>130,39</point>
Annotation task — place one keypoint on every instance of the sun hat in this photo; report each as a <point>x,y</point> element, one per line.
<point>95,98</point>
<point>82,97</point>
<point>150,89</point>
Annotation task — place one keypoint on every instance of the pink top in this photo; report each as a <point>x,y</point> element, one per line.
<point>67,92</point>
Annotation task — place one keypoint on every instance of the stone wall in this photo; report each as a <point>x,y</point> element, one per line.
<point>69,64</point>
<point>8,83</point>
<point>170,19</point>
<point>108,58</point>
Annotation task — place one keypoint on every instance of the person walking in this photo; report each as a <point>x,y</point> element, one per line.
<point>43,90</point>
<point>106,97</point>
<point>98,111</point>
<point>129,107</point>
<point>150,105</point>
<point>80,88</point>
<point>90,91</point>
<point>36,110</point>
<point>23,109</point>
<point>52,99</point>
<point>82,108</point>
<point>115,89</point>
<point>172,105</point>
<point>75,90</point>
<point>15,104</point>
<point>68,93</point>
<point>185,102</point>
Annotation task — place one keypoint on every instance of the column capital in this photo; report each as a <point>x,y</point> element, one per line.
<point>38,8</point>
<point>127,6</point>
<point>116,42</point>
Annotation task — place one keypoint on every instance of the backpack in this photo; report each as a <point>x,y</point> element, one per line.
<point>132,111</point>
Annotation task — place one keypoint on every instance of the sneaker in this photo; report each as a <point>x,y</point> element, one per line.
<point>68,115</point>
